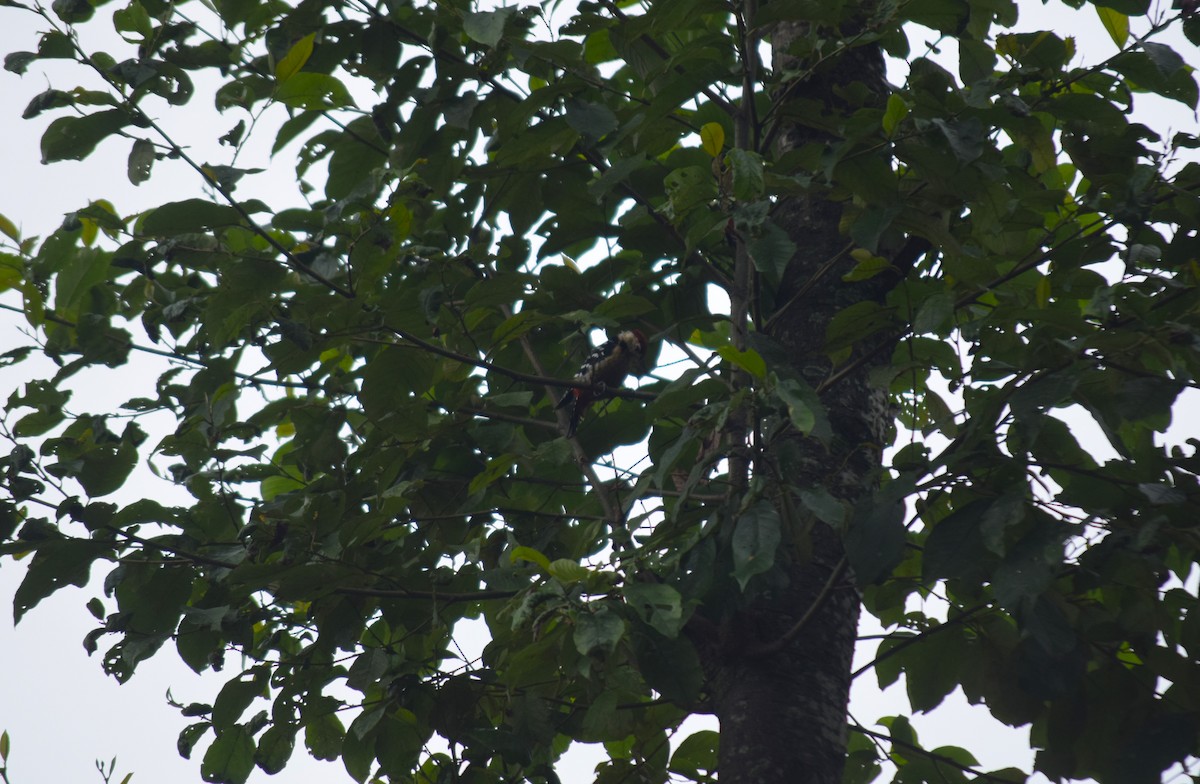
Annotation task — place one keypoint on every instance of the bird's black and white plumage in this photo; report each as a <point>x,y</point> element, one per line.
<point>605,368</point>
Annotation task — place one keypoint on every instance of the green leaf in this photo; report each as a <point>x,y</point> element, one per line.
<point>141,159</point>
<point>799,400</point>
<point>712,138</point>
<point>44,101</point>
<point>398,744</point>
<point>658,605</point>
<point>697,753</point>
<point>1116,23</point>
<point>358,748</point>
<point>869,265</point>
<point>747,360</point>
<point>9,229</point>
<point>74,138</point>
<point>602,720</point>
<point>772,251</point>
<point>828,509</point>
<point>855,323</point>
<point>748,178</point>
<point>56,564</point>
<point>875,537</point>
<point>18,62</point>
<point>356,156</point>
<point>296,57</point>
<point>897,110</point>
<point>496,469</point>
<point>933,667</point>
<point>324,735</point>
<point>755,541</point>
<point>230,758</point>
<point>487,27</point>
<point>189,216</point>
<point>235,697</point>
<point>133,19</point>
<point>1027,569</point>
<point>598,632</point>
<point>275,748</point>
<point>522,553</point>
<point>189,736</point>
<point>73,11</point>
<point>567,571</point>
<point>687,188</point>
<point>955,547</point>
<point>292,128</point>
<point>308,90</point>
<point>945,16</point>
<point>593,121</point>
<point>670,666</point>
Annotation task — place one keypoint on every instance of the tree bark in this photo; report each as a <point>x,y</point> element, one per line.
<point>783,706</point>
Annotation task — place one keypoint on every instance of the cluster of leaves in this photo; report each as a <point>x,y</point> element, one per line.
<point>363,380</point>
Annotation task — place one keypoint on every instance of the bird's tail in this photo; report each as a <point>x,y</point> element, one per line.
<point>576,415</point>
<point>567,397</point>
<point>573,395</point>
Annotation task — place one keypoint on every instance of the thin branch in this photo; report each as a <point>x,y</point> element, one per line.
<point>808,285</point>
<point>516,375</point>
<point>931,755</point>
<point>449,597</point>
<point>826,590</point>
<point>592,158</point>
<point>1029,263</point>
<point>176,355</point>
<point>144,120</point>
<point>658,49</point>
<point>950,623</point>
<point>381,593</point>
<point>612,510</point>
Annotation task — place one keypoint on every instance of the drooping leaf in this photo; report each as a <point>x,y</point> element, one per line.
<point>74,138</point>
<point>190,215</point>
<point>230,758</point>
<point>296,57</point>
<point>1116,23</point>
<point>755,540</point>
<point>712,138</point>
<point>597,633</point>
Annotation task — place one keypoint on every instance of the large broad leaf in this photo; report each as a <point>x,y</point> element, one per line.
<point>230,758</point>
<point>74,138</point>
<point>190,215</point>
<point>875,538</point>
<point>235,697</point>
<point>306,90</point>
<point>755,540</point>
<point>955,548</point>
<point>658,605</point>
<point>598,632</point>
<point>55,564</point>
<point>487,27</point>
<point>274,748</point>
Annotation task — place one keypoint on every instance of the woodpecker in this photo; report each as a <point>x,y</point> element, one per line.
<point>605,368</point>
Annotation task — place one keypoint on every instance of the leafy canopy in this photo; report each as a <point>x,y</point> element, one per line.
<point>363,373</point>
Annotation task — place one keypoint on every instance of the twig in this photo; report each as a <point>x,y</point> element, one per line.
<point>932,755</point>
<point>516,375</point>
<point>777,645</point>
<point>950,623</point>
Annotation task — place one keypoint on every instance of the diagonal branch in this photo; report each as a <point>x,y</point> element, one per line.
<point>930,755</point>
<point>145,120</point>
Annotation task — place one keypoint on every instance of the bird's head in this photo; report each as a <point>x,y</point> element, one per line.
<point>634,341</point>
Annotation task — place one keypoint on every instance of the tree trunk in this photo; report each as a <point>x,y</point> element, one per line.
<point>782,706</point>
